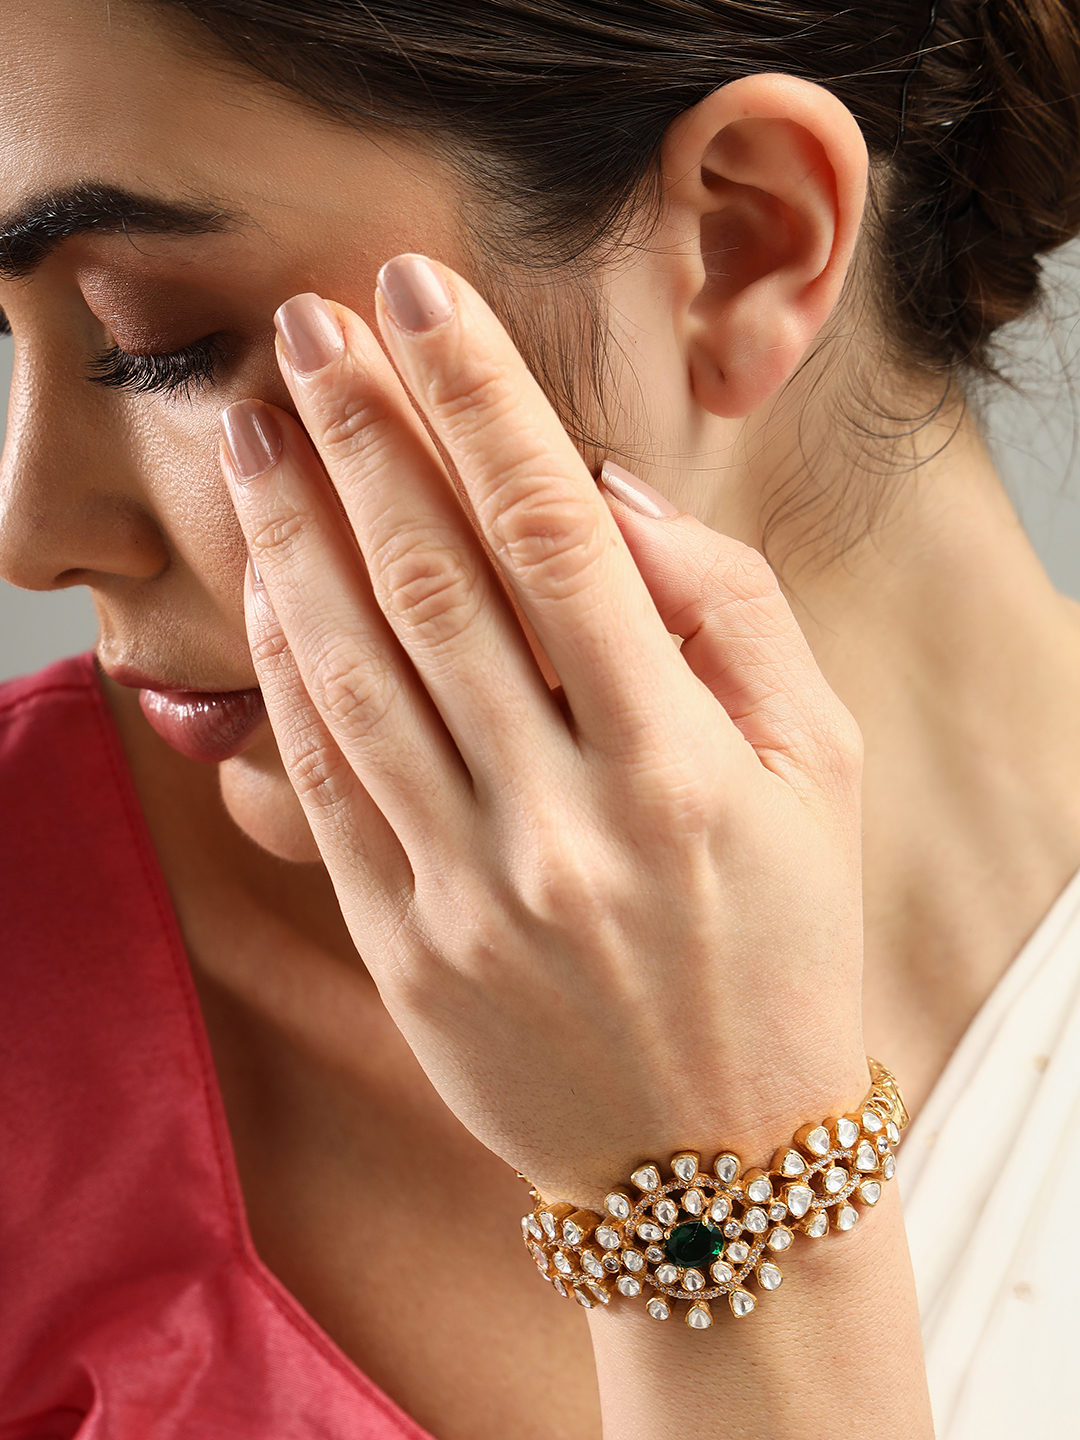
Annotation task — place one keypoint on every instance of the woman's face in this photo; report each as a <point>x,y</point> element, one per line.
<point>150,203</point>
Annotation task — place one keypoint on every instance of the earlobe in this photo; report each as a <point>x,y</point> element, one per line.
<point>766,179</point>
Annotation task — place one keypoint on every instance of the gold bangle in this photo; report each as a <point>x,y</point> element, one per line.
<point>704,1232</point>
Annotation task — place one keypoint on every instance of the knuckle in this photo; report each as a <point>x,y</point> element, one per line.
<point>278,535</point>
<point>315,770</point>
<point>356,424</point>
<point>547,536</point>
<point>469,399</point>
<point>355,692</point>
<point>427,586</point>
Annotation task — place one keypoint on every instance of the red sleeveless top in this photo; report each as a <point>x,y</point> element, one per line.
<point>132,1303</point>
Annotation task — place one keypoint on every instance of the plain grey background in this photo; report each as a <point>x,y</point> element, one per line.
<point>1034,432</point>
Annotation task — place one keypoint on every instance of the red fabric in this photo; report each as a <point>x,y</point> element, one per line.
<point>132,1303</point>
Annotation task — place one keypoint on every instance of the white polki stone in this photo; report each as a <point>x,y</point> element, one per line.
<point>818,1226</point>
<point>726,1168</point>
<point>720,1208</point>
<point>667,1212</point>
<point>756,1221</point>
<point>760,1190</point>
<point>870,1192</point>
<point>547,1222</point>
<point>693,1280</point>
<point>847,1217</point>
<point>531,1227</point>
<point>888,1169</point>
<point>733,1229</point>
<point>835,1179</point>
<point>611,1263</point>
<point>738,1252</point>
<point>699,1316</point>
<point>871,1122</point>
<point>599,1294</point>
<point>769,1276</point>
<point>659,1309</point>
<point>721,1272</point>
<point>627,1285</point>
<point>693,1203</point>
<point>607,1237</point>
<point>780,1238</point>
<point>647,1178</point>
<point>866,1157</point>
<point>571,1233</point>
<point>892,1130</point>
<point>648,1231</point>
<point>540,1258</point>
<point>667,1274</point>
<point>777,1212</point>
<point>792,1164</point>
<point>799,1199</point>
<point>817,1142</point>
<point>559,1286</point>
<point>634,1261</point>
<point>591,1264</point>
<point>685,1167</point>
<point>883,1145</point>
<point>741,1302</point>
<point>617,1205</point>
<point>584,1299</point>
<point>562,1264</point>
<point>847,1132</point>
<point>654,1255</point>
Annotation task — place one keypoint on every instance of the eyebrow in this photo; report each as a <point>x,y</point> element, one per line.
<point>42,223</point>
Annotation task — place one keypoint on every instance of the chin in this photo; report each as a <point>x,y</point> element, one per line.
<point>258,796</point>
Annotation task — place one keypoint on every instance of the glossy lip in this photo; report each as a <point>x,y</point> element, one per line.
<point>209,726</point>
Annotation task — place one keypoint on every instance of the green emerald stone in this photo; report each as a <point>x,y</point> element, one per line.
<point>694,1244</point>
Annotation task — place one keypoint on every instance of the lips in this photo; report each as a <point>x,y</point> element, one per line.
<point>210,726</point>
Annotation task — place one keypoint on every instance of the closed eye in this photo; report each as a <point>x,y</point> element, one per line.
<point>175,374</point>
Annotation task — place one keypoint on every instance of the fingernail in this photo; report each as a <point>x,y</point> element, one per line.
<point>310,334</point>
<point>415,293</point>
<point>252,437</point>
<point>635,493</point>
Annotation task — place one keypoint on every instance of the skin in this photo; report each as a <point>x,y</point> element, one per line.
<point>940,635</point>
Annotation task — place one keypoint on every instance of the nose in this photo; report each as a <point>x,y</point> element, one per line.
<point>68,513</point>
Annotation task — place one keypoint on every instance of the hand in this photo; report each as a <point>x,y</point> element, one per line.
<point>612,919</point>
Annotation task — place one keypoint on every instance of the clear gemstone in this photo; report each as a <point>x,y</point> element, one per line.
<point>741,1302</point>
<point>756,1221</point>
<point>720,1208</point>
<point>769,1276</point>
<point>871,1123</point>
<point>777,1212</point>
<point>721,1272</point>
<point>646,1177</point>
<point>667,1212</point>
<point>883,1144</point>
<point>835,1179</point>
<point>560,1287</point>
<point>866,1157</point>
<point>733,1228</point>
<point>817,1226</point>
<point>608,1238</point>
<point>870,1192</point>
<point>781,1238</point>
<point>799,1199</point>
<point>611,1263</point>
<point>547,1221</point>
<point>726,1167</point>
<point>892,1130</point>
<point>817,1142</point>
<point>847,1217</point>
<point>685,1167</point>
<point>571,1233</point>
<point>667,1274</point>
<point>659,1309</point>
<point>692,1202</point>
<point>633,1260</point>
<point>792,1164</point>
<point>738,1252</point>
<point>540,1258</point>
<point>847,1132</point>
<point>648,1231</point>
<point>628,1285</point>
<point>532,1227</point>
<point>584,1299</point>
<point>599,1293</point>
<point>699,1316</point>
<point>760,1190</point>
<point>617,1205</point>
<point>693,1280</point>
<point>888,1169</point>
<point>562,1264</point>
<point>591,1264</point>
<point>654,1255</point>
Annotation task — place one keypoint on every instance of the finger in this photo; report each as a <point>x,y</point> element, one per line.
<point>739,635</point>
<point>349,662</point>
<point>538,507</point>
<point>427,567</point>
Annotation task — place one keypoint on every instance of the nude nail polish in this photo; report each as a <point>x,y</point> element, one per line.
<point>310,334</point>
<point>635,493</point>
<point>252,437</point>
<point>415,293</point>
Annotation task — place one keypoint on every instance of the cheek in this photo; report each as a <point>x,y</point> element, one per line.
<point>258,796</point>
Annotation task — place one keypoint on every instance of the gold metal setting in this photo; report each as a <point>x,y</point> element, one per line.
<point>706,1232</point>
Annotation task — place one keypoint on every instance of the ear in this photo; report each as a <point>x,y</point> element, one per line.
<point>765,182</point>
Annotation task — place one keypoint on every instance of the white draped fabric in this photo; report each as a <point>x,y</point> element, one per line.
<point>990,1176</point>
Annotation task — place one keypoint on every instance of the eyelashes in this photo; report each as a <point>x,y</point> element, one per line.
<point>176,374</point>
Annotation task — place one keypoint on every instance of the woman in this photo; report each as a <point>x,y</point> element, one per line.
<point>393,787</point>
